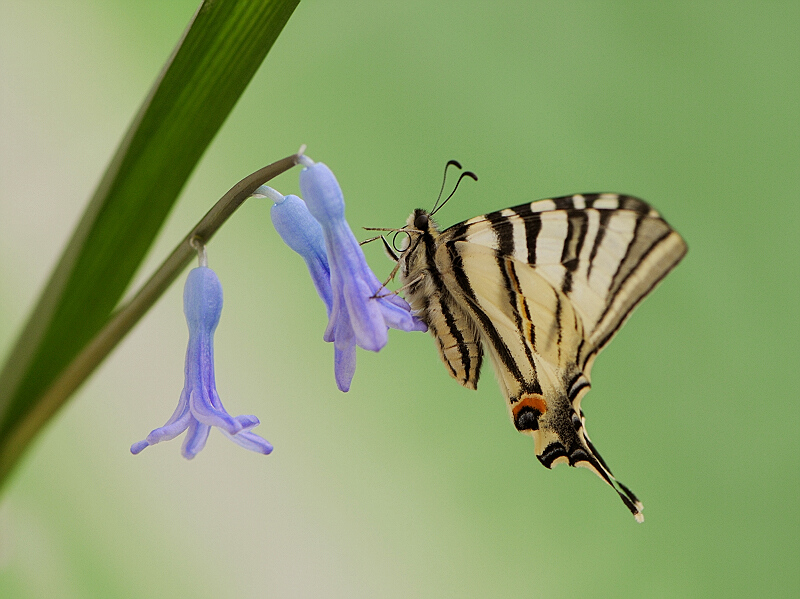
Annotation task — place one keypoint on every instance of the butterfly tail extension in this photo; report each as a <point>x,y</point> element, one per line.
<point>560,437</point>
<point>577,390</point>
<point>628,497</point>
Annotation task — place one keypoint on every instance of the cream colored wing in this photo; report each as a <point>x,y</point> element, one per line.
<point>548,284</point>
<point>605,252</point>
<point>520,315</point>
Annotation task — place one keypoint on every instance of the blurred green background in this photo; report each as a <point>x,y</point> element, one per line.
<point>409,485</point>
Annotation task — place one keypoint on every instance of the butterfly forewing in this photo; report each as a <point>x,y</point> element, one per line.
<point>605,251</point>
<point>544,286</point>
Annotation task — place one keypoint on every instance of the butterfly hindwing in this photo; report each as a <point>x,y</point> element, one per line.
<point>532,334</point>
<point>456,334</point>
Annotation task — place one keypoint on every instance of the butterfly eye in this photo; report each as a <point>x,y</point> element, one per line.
<point>421,221</point>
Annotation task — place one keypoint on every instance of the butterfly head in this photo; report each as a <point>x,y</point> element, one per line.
<point>420,220</point>
<point>418,226</point>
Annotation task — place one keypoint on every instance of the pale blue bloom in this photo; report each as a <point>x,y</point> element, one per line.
<point>199,407</point>
<point>360,309</point>
<point>301,232</point>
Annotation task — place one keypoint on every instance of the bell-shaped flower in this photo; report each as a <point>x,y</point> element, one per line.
<point>301,232</point>
<point>199,407</point>
<point>360,308</point>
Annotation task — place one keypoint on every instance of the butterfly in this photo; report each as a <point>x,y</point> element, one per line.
<point>541,288</point>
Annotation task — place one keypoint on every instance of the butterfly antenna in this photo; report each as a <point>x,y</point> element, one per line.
<point>391,229</point>
<point>450,163</point>
<point>469,174</point>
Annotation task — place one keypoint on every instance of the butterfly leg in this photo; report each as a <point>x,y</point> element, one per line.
<point>403,288</point>
<point>392,274</point>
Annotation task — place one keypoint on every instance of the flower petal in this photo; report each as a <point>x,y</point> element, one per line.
<point>395,309</point>
<point>350,274</point>
<point>247,422</point>
<point>205,412</point>
<point>303,233</point>
<point>170,431</point>
<point>400,318</point>
<point>365,315</point>
<point>195,439</point>
<point>139,446</point>
<point>178,422</point>
<point>202,300</point>
<point>344,353</point>
<point>202,304</point>
<point>322,193</point>
<point>357,315</point>
<point>251,441</point>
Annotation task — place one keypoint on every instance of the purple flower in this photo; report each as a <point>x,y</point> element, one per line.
<point>360,309</point>
<point>199,407</point>
<point>301,232</point>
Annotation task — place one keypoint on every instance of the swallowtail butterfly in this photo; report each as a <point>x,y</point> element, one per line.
<point>541,288</point>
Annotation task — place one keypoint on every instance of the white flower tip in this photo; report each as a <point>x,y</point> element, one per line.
<point>265,191</point>
<point>304,160</point>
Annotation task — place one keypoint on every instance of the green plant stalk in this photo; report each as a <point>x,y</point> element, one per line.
<point>126,317</point>
<point>212,64</point>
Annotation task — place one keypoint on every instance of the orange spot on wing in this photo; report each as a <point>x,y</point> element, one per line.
<point>530,401</point>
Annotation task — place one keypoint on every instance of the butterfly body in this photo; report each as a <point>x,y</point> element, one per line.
<point>541,288</point>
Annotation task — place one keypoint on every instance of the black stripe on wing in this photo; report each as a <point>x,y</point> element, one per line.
<point>504,230</point>
<point>577,225</point>
<point>605,216</point>
<point>648,228</point>
<point>610,329</point>
<point>487,326</point>
<point>455,329</point>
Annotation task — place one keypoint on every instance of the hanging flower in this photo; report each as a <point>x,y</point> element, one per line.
<point>199,407</point>
<point>301,232</point>
<point>360,309</point>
